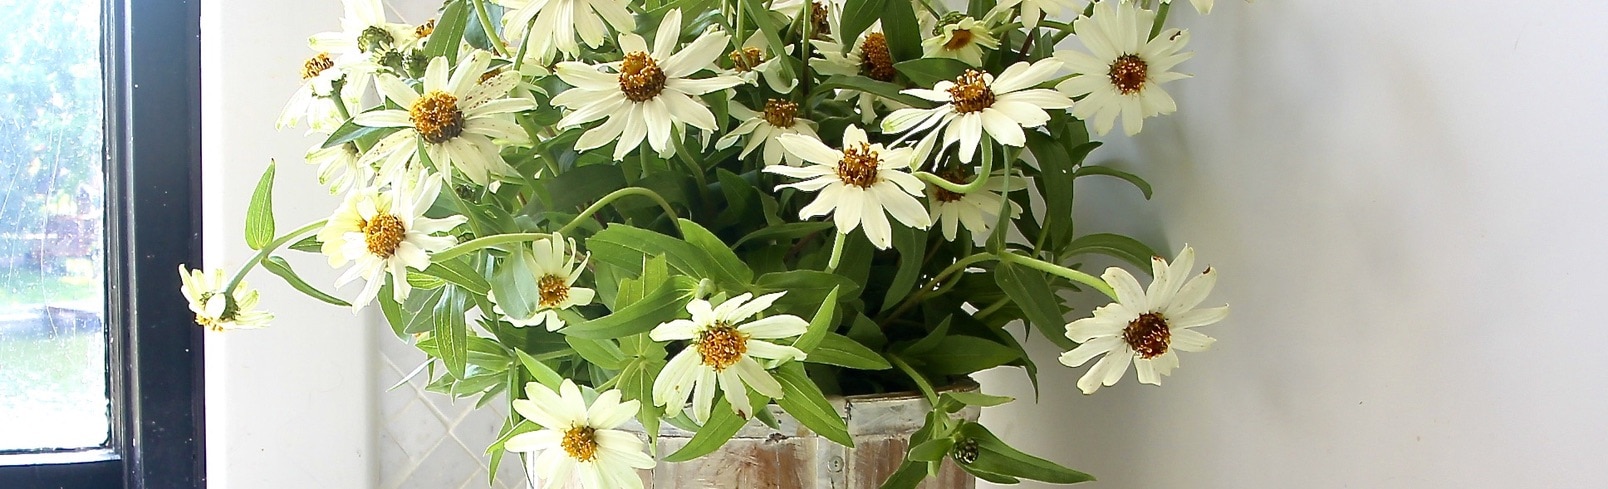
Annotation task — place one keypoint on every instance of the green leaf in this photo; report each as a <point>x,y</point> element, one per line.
<point>1031,292</point>
<point>451,331</point>
<point>723,423</point>
<point>601,352</point>
<point>419,280</point>
<point>928,343</point>
<point>836,349</point>
<point>902,31</point>
<point>665,303</point>
<point>804,400</point>
<point>972,398</point>
<point>309,244</point>
<point>351,131</point>
<point>626,247</point>
<point>757,11</point>
<point>806,289</point>
<point>857,16</point>
<point>260,213</point>
<point>912,246</point>
<point>543,374</point>
<point>515,284</point>
<point>931,450</point>
<point>867,85</point>
<point>459,273</point>
<point>448,32</point>
<point>928,71</point>
<point>392,310</point>
<point>282,268</point>
<point>720,254</point>
<point>908,476</point>
<point>1137,182</point>
<point>994,456</point>
<point>960,355</point>
<point>786,231</point>
<point>820,324</point>
<point>581,186</point>
<point>1113,245</point>
<point>1057,171</point>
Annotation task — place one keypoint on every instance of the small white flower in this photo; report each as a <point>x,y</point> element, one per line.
<point>550,27</point>
<point>860,185</point>
<point>1144,327</point>
<point>978,210</point>
<point>314,100</point>
<point>580,442</point>
<point>1125,73</point>
<point>1035,10</point>
<point>649,94</point>
<point>386,232</point>
<point>753,62</point>
<point>977,102</point>
<point>216,311</point>
<point>723,353</point>
<point>765,128</point>
<point>339,167</point>
<point>456,117</point>
<point>550,286</point>
<point>365,35</point>
<point>869,58</point>
<point>1202,6</point>
<point>963,40</point>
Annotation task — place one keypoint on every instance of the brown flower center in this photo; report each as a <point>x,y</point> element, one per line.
<point>1148,335</point>
<point>424,30</point>
<point>316,65</point>
<point>580,443</point>
<point>383,234</point>
<point>955,175</point>
<point>958,39</point>
<point>640,77</point>
<point>436,116</point>
<point>971,93</point>
<point>859,166</point>
<point>721,346</point>
<point>1128,74</point>
<point>746,59</point>
<point>780,113</point>
<point>876,62</point>
<point>819,17</point>
<point>553,290</point>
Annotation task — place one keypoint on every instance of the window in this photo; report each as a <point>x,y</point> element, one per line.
<point>99,210</point>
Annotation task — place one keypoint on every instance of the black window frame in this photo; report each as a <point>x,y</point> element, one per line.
<point>151,54</point>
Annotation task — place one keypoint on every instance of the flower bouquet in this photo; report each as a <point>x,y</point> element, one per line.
<point>684,211</point>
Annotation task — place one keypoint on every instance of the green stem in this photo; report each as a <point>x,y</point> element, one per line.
<point>484,242</point>
<point>1161,18</point>
<point>915,298</point>
<point>1060,26</point>
<point>921,380</point>
<point>616,195</point>
<point>969,187</point>
<point>1076,276</point>
<point>340,106</point>
<point>837,252</point>
<point>491,31</point>
<point>266,250</point>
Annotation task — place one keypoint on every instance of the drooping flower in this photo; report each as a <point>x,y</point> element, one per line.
<point>860,185</point>
<point>1035,10</point>
<point>314,100</point>
<point>1123,76</point>
<point>978,210</point>
<point>548,275</point>
<point>754,61</point>
<point>366,37</point>
<point>764,129</point>
<point>977,102</point>
<point>456,118</point>
<point>386,232</point>
<point>650,94</point>
<point>215,310</point>
<point>963,39</point>
<point>1145,327</point>
<point>550,27</point>
<point>723,353</point>
<point>340,168</point>
<point>580,442</point>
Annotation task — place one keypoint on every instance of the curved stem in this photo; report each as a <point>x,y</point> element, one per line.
<point>837,252</point>
<point>266,250</point>
<point>977,182</point>
<point>921,380</point>
<point>915,298</point>
<point>616,195</point>
<point>491,31</point>
<point>1076,276</point>
<point>484,242</point>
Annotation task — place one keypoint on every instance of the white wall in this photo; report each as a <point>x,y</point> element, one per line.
<point>1405,201</point>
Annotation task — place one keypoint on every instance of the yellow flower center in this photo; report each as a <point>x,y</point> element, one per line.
<point>436,117</point>
<point>1128,74</point>
<point>859,166</point>
<point>383,234</point>
<point>819,17</point>
<point>553,290</point>
<point>316,65</point>
<point>780,113</point>
<point>580,443</point>
<point>721,346</point>
<point>956,175</point>
<point>424,30</point>
<point>958,39</point>
<point>1148,335</point>
<point>876,62</point>
<point>971,93</point>
<point>640,77</point>
<point>746,59</point>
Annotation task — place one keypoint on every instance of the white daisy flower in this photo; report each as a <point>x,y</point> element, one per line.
<point>386,232</point>
<point>1202,6</point>
<point>339,167</point>
<point>1144,327</point>
<point>962,39</point>
<point>823,15</point>
<point>456,117</point>
<point>869,58</point>
<point>1125,73</point>
<point>314,100</point>
<point>216,311</point>
<point>550,27</point>
<point>978,210</point>
<point>860,185</point>
<point>764,128</point>
<point>752,63</point>
<point>581,442</point>
<point>723,350</point>
<point>554,272</point>
<point>648,94</point>
<point>1035,10</point>
<point>977,102</point>
<point>365,36</point>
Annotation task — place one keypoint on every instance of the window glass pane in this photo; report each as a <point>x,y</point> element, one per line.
<point>52,337</point>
